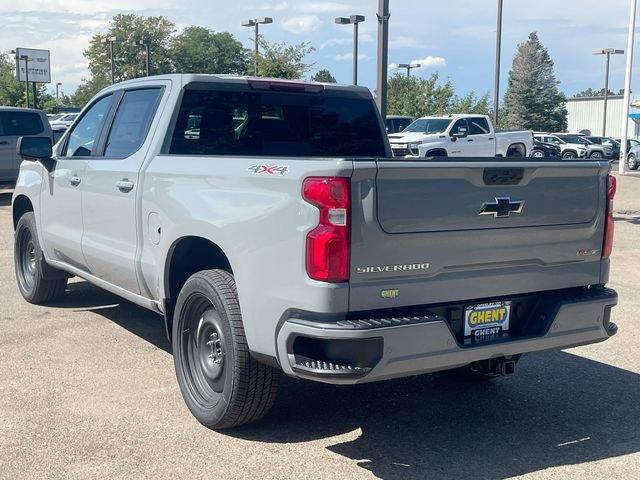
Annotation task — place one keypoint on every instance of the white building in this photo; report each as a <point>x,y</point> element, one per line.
<point>586,113</point>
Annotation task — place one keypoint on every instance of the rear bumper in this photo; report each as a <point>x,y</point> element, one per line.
<point>396,347</point>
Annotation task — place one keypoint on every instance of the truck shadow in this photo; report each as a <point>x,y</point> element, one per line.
<point>5,198</point>
<point>559,409</point>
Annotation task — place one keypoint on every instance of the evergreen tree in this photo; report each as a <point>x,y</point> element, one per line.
<point>532,100</point>
<point>324,76</point>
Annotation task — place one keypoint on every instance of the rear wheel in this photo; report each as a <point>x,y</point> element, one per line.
<point>34,286</point>
<point>632,162</point>
<point>538,154</point>
<point>221,383</point>
<point>569,154</point>
<point>596,155</point>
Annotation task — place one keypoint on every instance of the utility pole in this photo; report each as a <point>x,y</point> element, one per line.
<point>255,23</point>
<point>607,52</point>
<point>58,93</point>
<point>627,88</point>
<point>409,67</point>
<point>26,74</point>
<point>496,87</point>
<point>383,56</point>
<point>355,19</point>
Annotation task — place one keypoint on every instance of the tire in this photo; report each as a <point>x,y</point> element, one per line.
<point>222,385</point>
<point>29,264</point>
<point>538,154</point>
<point>632,162</point>
<point>569,155</point>
<point>596,155</point>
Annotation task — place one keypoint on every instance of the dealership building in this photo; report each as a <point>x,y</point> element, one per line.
<point>586,113</point>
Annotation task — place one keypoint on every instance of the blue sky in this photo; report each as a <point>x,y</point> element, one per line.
<point>455,39</point>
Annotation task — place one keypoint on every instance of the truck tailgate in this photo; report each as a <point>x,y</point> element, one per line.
<point>436,232</point>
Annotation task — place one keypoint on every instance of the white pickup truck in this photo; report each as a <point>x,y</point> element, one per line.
<point>459,136</point>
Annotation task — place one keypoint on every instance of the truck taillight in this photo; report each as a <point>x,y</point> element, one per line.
<point>327,248</point>
<point>607,245</point>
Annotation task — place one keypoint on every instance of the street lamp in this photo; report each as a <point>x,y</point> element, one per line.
<point>607,52</point>
<point>409,67</point>
<point>111,41</point>
<point>255,24</point>
<point>383,56</point>
<point>58,84</point>
<point>146,44</point>
<point>627,87</point>
<point>496,87</point>
<point>355,19</point>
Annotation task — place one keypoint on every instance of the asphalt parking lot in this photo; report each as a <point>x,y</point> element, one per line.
<point>87,390</point>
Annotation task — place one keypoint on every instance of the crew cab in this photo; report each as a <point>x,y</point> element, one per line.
<point>270,225</point>
<point>459,136</point>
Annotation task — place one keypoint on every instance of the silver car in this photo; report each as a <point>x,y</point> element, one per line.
<point>16,123</point>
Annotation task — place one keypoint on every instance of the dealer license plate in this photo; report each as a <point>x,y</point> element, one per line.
<point>486,320</point>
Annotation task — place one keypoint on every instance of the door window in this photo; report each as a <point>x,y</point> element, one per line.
<point>478,126</point>
<point>85,132</point>
<point>15,124</point>
<point>131,122</point>
<point>460,124</point>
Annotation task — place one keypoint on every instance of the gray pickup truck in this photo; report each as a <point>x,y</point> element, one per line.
<point>269,224</point>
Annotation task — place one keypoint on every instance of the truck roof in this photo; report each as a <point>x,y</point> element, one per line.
<point>452,116</point>
<point>186,78</point>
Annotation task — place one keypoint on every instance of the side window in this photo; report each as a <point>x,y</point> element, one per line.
<point>478,126</point>
<point>131,122</point>
<point>86,130</point>
<point>460,124</point>
<point>20,123</point>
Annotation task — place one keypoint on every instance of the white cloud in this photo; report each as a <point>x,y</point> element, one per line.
<point>349,56</point>
<point>302,24</point>
<point>430,62</point>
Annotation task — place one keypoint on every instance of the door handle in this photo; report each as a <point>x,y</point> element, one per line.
<point>125,185</point>
<point>4,142</point>
<point>470,140</point>
<point>75,180</point>
<point>491,138</point>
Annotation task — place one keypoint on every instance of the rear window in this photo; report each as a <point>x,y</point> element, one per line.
<point>237,123</point>
<point>20,123</point>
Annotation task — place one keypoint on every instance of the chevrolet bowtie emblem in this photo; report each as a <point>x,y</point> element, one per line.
<point>502,207</point>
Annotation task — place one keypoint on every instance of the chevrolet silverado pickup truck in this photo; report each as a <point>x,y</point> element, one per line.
<point>270,225</point>
<point>459,136</point>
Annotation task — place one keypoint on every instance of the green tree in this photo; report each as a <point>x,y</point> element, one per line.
<point>324,76</point>
<point>87,89</point>
<point>200,50</point>
<point>418,97</point>
<point>590,92</point>
<point>280,60</point>
<point>12,92</point>
<point>471,103</point>
<point>532,100</point>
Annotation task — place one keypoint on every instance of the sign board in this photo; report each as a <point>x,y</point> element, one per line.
<point>39,65</point>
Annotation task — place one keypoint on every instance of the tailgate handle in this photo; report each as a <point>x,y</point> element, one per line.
<point>503,176</point>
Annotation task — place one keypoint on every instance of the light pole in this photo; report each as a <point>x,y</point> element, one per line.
<point>383,56</point>
<point>355,19</point>
<point>627,88</point>
<point>496,87</point>
<point>255,23</point>
<point>409,67</point>
<point>26,59</point>
<point>58,93</point>
<point>607,52</point>
<point>111,41</point>
<point>147,53</point>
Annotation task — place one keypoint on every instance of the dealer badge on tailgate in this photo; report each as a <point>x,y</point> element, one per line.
<point>486,320</point>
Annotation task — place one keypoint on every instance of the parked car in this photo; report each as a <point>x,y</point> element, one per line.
<point>397,123</point>
<point>541,149</point>
<point>15,123</point>
<point>607,142</point>
<point>289,243</point>
<point>459,136</point>
<point>593,151</point>
<point>633,158</point>
<point>61,124</point>
<point>569,150</point>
